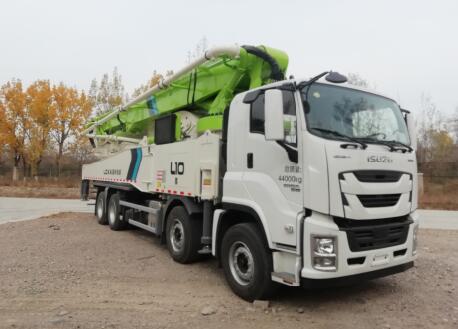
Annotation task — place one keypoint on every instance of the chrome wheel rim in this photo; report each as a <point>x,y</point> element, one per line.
<point>177,235</point>
<point>100,208</point>
<point>111,214</point>
<point>241,263</point>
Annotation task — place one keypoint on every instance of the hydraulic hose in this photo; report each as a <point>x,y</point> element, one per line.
<point>276,73</point>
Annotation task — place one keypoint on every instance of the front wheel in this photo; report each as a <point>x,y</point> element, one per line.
<point>247,262</point>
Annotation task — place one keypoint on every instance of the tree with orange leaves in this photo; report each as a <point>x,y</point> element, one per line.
<point>14,122</point>
<point>2,131</point>
<point>71,110</point>
<point>42,112</point>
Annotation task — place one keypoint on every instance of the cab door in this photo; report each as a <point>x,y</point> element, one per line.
<point>273,171</point>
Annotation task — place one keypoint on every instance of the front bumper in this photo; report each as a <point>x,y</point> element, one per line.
<point>370,263</point>
<point>354,279</point>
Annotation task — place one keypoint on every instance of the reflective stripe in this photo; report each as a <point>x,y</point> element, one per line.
<point>137,163</point>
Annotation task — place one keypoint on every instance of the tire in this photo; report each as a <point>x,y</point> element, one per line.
<point>100,209</point>
<point>247,262</point>
<point>114,214</point>
<point>183,235</point>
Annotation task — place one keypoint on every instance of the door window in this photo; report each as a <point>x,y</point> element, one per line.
<point>289,118</point>
<point>257,117</point>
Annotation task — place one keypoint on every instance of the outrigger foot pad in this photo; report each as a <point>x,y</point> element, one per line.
<point>205,250</point>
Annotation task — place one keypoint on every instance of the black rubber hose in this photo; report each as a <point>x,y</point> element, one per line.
<point>276,73</point>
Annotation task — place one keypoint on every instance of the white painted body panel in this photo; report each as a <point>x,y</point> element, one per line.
<point>344,161</point>
<point>157,166</point>
<point>259,188</point>
<point>112,169</point>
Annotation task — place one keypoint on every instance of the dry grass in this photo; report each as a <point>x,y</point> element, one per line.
<point>42,182</point>
<point>43,187</point>
<point>440,194</point>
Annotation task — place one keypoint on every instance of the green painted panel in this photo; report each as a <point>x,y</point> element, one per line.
<point>211,122</point>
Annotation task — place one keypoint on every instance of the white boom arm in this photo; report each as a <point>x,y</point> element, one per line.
<point>114,138</point>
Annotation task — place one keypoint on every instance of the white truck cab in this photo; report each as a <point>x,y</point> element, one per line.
<point>330,173</point>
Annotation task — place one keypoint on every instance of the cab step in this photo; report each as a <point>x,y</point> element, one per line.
<point>285,278</point>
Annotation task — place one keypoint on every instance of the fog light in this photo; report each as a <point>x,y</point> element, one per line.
<point>324,253</point>
<point>414,243</point>
<point>321,262</point>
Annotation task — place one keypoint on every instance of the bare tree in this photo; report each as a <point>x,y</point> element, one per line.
<point>107,94</point>
<point>356,80</point>
<point>199,49</point>
<point>454,125</point>
<point>82,151</point>
<point>435,142</point>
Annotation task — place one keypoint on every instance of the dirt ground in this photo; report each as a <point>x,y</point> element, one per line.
<point>66,271</point>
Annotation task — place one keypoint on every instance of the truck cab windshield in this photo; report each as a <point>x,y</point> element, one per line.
<point>354,114</point>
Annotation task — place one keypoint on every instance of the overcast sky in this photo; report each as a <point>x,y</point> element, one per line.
<point>404,48</point>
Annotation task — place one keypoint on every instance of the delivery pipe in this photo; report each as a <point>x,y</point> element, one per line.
<point>115,138</point>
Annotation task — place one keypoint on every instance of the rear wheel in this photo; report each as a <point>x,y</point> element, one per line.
<point>183,235</point>
<point>247,262</point>
<point>114,214</point>
<point>100,209</point>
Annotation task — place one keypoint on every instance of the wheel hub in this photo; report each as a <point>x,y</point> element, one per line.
<point>241,263</point>
<point>111,215</point>
<point>177,235</point>
<point>99,209</point>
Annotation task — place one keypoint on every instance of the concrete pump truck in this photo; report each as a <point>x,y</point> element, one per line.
<point>302,182</point>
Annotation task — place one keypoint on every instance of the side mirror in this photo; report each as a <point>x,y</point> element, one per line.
<point>412,130</point>
<point>273,121</point>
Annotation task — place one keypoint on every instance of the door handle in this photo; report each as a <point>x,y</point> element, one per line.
<point>249,160</point>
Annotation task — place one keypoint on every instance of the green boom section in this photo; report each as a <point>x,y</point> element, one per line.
<point>206,91</point>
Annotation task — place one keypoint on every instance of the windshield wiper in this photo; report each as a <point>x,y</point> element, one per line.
<point>390,143</point>
<point>336,133</point>
<point>397,143</point>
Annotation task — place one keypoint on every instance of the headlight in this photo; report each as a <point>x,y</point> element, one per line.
<point>324,246</point>
<point>414,243</point>
<point>324,253</point>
